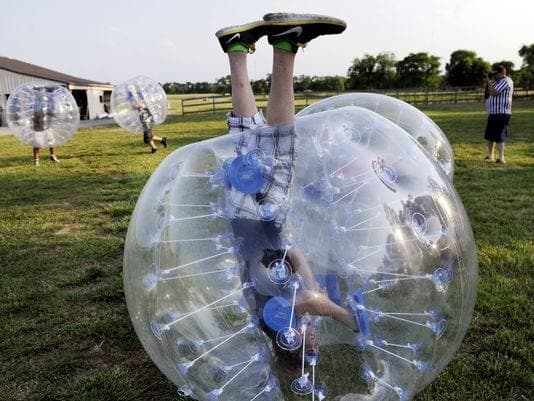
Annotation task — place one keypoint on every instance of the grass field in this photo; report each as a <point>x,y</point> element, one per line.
<point>65,333</point>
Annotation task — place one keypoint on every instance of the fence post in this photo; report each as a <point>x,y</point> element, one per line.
<point>213,103</point>
<point>455,95</point>
<point>183,111</point>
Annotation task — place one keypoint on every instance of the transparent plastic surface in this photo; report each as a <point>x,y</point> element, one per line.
<point>427,134</point>
<point>42,115</point>
<point>139,104</point>
<point>357,285</point>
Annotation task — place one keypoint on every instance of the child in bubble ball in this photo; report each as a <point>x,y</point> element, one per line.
<point>39,124</point>
<point>146,119</point>
<point>258,211</point>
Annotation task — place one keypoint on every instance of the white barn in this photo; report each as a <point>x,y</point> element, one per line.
<point>93,98</point>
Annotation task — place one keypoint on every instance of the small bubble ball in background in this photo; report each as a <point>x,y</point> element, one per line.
<point>139,104</point>
<point>42,115</point>
<point>381,226</point>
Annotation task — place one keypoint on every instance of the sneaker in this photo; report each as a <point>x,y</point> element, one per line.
<point>247,34</point>
<point>154,151</point>
<point>164,141</point>
<point>54,158</point>
<point>36,162</point>
<point>299,29</point>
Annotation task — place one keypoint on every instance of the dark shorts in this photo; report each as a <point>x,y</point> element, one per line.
<point>147,136</point>
<point>497,127</point>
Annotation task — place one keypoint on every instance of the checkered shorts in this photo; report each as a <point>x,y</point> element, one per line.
<point>276,145</point>
<point>240,124</point>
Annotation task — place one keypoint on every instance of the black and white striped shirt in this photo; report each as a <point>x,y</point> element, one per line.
<point>501,103</point>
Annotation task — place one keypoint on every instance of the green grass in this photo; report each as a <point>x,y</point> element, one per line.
<point>65,333</point>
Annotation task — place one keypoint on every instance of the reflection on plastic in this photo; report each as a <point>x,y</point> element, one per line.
<point>421,128</point>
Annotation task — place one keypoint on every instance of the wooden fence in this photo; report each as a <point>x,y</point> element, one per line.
<point>412,96</point>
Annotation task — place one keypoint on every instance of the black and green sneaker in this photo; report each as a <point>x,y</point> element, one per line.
<point>299,29</point>
<point>247,35</point>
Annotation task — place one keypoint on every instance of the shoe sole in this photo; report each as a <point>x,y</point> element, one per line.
<point>280,19</point>
<point>229,30</point>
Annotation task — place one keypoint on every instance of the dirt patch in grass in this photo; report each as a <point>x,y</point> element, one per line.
<point>70,229</point>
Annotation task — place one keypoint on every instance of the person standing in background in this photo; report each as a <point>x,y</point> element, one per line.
<point>499,107</point>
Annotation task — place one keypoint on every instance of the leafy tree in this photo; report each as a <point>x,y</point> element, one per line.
<point>328,83</point>
<point>466,69</point>
<point>372,72</point>
<point>201,87</point>
<point>259,86</point>
<point>509,65</point>
<point>527,52</point>
<point>268,79</point>
<point>302,83</point>
<point>168,87</point>
<point>174,88</point>
<point>418,70</point>
<point>223,85</point>
<point>526,74</point>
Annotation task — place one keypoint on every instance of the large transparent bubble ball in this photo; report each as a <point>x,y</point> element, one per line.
<point>139,104</point>
<point>42,114</point>
<point>427,134</point>
<point>358,284</point>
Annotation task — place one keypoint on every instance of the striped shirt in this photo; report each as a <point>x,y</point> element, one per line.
<point>502,102</point>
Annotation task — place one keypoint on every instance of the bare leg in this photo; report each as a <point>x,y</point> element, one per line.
<point>35,153</point>
<point>281,105</point>
<point>491,149</point>
<point>243,100</point>
<point>281,110</point>
<point>53,156</point>
<point>500,148</point>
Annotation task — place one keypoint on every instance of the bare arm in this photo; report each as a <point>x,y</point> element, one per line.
<point>303,269</point>
<point>313,299</point>
<point>316,303</point>
<point>491,89</point>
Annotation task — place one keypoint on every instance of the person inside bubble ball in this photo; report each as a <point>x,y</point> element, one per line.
<point>146,119</point>
<point>279,270</point>
<point>39,123</point>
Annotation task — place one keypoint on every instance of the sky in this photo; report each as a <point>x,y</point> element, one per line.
<point>174,41</point>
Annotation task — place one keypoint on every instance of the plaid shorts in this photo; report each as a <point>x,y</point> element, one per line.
<point>276,145</point>
<point>240,124</point>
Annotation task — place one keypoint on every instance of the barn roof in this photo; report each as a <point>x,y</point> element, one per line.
<point>20,67</point>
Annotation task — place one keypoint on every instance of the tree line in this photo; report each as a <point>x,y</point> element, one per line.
<point>383,71</point>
